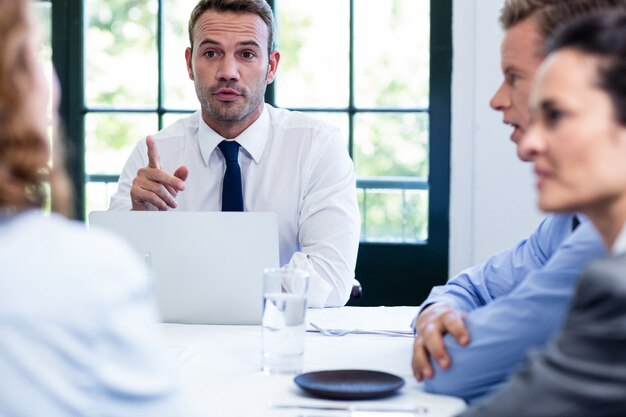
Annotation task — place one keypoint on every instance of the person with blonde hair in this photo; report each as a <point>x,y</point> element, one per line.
<point>79,333</point>
<point>577,142</point>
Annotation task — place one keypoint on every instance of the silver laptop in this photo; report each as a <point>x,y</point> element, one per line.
<point>206,267</point>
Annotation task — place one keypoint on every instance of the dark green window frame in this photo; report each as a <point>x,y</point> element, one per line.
<point>391,273</point>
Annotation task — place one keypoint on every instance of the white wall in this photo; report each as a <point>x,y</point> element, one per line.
<point>492,200</point>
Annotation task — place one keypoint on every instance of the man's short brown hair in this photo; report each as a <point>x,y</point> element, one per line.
<point>257,7</point>
<point>552,13</point>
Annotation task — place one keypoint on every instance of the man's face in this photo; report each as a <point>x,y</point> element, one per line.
<point>230,68</point>
<point>520,59</point>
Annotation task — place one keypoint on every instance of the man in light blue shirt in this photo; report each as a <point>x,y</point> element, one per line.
<point>504,326</point>
<point>474,331</point>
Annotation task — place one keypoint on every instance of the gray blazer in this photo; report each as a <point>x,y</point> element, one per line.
<point>583,370</point>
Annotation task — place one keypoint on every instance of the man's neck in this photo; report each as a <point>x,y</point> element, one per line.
<point>230,130</point>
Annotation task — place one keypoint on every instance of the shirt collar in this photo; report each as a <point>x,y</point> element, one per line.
<point>619,246</point>
<point>253,139</point>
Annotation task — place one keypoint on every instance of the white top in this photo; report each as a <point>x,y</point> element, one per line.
<point>619,246</point>
<point>78,331</point>
<point>292,165</point>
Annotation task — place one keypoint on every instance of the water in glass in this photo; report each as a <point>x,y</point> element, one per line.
<point>283,332</point>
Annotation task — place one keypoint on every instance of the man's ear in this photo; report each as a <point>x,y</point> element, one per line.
<point>274,58</point>
<point>189,65</point>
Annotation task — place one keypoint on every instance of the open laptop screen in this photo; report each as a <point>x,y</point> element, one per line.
<point>206,267</point>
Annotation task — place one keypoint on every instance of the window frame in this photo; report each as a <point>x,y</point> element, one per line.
<point>403,274</point>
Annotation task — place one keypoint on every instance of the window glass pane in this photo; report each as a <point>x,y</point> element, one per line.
<point>120,53</point>
<point>170,118</point>
<point>391,144</point>
<point>98,195</point>
<point>391,61</point>
<point>110,137</point>
<point>178,90</point>
<point>393,215</point>
<point>314,63</point>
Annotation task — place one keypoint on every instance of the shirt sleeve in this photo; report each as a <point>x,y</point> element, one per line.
<point>583,371</point>
<point>138,159</point>
<point>328,225</point>
<point>503,331</point>
<point>504,271</point>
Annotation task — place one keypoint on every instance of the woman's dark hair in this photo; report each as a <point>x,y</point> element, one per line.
<point>602,35</point>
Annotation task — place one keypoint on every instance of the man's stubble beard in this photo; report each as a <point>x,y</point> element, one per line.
<point>231,112</point>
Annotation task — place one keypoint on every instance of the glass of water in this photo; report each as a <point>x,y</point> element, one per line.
<point>284,308</point>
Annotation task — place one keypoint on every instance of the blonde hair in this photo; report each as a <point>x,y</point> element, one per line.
<point>550,14</point>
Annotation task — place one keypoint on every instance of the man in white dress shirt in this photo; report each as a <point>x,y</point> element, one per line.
<point>289,163</point>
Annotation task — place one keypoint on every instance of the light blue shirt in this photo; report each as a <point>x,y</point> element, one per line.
<point>516,301</point>
<point>78,333</point>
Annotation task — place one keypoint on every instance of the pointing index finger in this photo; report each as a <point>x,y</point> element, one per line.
<point>154,159</point>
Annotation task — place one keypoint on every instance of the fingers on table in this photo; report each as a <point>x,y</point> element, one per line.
<point>454,323</point>
<point>429,342</point>
<point>421,364</point>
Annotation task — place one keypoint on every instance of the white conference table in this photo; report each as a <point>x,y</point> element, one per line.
<point>219,366</point>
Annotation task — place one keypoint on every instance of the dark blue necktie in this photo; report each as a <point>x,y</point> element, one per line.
<point>232,195</point>
<point>575,222</point>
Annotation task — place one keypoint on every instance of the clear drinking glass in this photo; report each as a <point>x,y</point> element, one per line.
<point>284,309</point>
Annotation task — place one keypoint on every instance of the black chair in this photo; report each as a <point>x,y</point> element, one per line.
<point>357,290</point>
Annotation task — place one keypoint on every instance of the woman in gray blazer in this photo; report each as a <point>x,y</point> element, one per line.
<point>578,145</point>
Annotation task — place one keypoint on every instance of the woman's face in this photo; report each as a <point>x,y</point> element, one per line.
<point>578,148</point>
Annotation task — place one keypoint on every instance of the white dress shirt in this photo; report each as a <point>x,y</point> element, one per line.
<point>79,333</point>
<point>292,165</point>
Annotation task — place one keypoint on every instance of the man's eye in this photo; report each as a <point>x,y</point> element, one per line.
<point>248,55</point>
<point>210,54</point>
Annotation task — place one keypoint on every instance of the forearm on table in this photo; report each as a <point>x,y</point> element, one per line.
<point>331,269</point>
<point>504,331</point>
<point>328,234</point>
<point>501,334</point>
<point>474,371</point>
<point>538,389</point>
<point>459,293</point>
